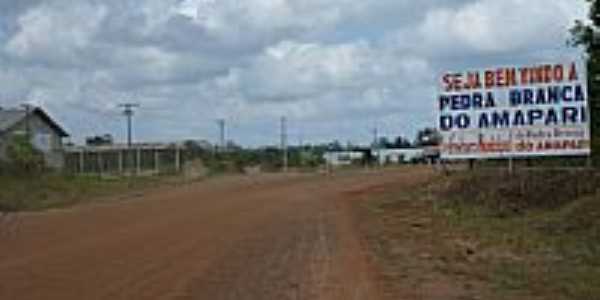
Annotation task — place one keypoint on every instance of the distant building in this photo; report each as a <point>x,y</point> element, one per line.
<point>428,154</point>
<point>398,156</point>
<point>343,158</point>
<point>46,135</point>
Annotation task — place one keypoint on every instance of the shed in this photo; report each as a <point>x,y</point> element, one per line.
<point>45,133</point>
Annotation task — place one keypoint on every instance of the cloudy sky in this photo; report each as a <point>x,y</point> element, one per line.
<point>334,68</point>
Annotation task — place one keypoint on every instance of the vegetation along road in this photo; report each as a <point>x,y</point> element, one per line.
<point>406,233</point>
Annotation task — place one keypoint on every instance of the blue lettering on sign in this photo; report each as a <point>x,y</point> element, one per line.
<point>501,119</point>
<point>567,94</point>
<point>484,121</point>
<point>449,122</point>
<point>535,115</point>
<point>546,95</point>
<point>444,102</point>
<point>570,115</point>
<point>514,97</point>
<point>466,102</point>
<point>446,123</point>
<point>463,121</point>
<point>541,97</point>
<point>553,93</point>
<point>477,100</point>
<point>552,117</point>
<point>579,94</point>
<point>459,102</point>
<point>528,97</point>
<point>519,119</point>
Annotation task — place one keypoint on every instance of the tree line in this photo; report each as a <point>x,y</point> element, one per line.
<point>587,35</point>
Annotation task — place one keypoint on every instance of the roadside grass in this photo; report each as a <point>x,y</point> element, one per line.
<point>550,231</point>
<point>494,236</point>
<point>42,192</point>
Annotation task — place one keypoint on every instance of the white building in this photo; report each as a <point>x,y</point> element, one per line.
<point>397,156</point>
<point>343,158</point>
<point>45,134</point>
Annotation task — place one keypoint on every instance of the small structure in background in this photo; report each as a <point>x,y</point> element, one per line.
<point>125,159</point>
<point>44,133</point>
<point>384,151</point>
<point>399,156</point>
<point>344,158</point>
<point>424,154</point>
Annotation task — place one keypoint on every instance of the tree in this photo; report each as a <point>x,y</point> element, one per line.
<point>428,137</point>
<point>24,157</point>
<point>587,35</point>
<point>99,140</point>
<point>384,143</point>
<point>335,146</point>
<point>402,143</point>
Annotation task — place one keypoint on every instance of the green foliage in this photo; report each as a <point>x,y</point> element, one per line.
<point>23,157</point>
<point>428,137</point>
<point>268,159</point>
<point>45,191</point>
<point>500,194</point>
<point>539,231</point>
<point>587,35</point>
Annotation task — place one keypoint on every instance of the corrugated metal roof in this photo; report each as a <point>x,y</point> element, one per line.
<point>10,117</point>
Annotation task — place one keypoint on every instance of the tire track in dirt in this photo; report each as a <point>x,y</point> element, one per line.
<point>289,237</point>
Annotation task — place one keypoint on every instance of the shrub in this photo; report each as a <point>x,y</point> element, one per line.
<point>23,157</point>
<point>503,194</point>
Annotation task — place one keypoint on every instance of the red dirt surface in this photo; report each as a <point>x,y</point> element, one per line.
<point>266,237</point>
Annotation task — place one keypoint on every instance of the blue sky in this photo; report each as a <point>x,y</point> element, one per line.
<point>334,68</point>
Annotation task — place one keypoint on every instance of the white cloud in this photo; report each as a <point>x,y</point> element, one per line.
<point>292,71</point>
<point>496,26</point>
<point>57,30</point>
<point>328,65</point>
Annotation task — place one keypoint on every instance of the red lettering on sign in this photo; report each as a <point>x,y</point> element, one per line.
<point>489,79</point>
<point>573,73</point>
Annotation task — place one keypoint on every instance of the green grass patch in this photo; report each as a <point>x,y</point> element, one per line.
<point>548,223</point>
<point>530,235</point>
<point>47,191</point>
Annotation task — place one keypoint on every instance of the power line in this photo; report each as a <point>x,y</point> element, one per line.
<point>129,112</point>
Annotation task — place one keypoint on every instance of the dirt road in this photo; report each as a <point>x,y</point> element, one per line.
<point>263,237</point>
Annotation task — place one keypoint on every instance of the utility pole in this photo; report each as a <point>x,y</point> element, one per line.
<point>128,112</point>
<point>222,124</point>
<point>376,144</point>
<point>284,147</point>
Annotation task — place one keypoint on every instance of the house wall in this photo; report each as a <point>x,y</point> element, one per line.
<point>43,137</point>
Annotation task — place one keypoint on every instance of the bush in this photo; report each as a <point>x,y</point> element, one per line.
<point>500,193</point>
<point>24,158</point>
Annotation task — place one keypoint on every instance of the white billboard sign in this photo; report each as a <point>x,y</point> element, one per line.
<point>538,110</point>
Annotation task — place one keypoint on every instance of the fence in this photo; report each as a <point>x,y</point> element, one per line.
<point>115,160</point>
